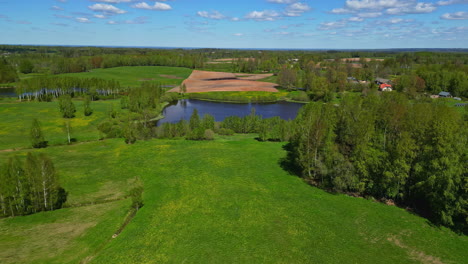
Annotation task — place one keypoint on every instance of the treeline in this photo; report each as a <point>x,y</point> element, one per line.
<point>234,98</point>
<point>415,153</point>
<point>30,186</point>
<point>7,72</point>
<point>269,129</point>
<point>58,60</point>
<point>46,88</point>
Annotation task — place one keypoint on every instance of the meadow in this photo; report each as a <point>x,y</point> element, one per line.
<point>129,76</point>
<point>16,120</point>
<point>221,201</point>
<point>133,76</point>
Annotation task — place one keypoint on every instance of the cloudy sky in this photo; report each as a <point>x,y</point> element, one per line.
<point>308,24</point>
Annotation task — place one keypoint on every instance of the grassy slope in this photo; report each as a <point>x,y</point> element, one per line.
<point>16,119</point>
<point>133,76</point>
<point>213,202</point>
<point>64,236</point>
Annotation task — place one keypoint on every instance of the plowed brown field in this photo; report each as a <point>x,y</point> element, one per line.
<point>205,81</point>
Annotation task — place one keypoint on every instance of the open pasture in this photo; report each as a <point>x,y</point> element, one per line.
<point>223,201</point>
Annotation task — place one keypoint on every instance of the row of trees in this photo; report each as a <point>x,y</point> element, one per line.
<point>387,147</point>
<point>30,186</point>
<point>46,88</point>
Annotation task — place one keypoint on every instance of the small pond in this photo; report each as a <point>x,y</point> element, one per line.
<point>183,110</point>
<point>7,92</point>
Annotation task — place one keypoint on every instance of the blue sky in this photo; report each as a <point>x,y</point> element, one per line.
<point>313,24</point>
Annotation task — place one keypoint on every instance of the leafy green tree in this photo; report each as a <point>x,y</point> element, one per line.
<point>194,122</point>
<point>287,77</point>
<point>87,108</point>
<point>37,138</point>
<point>130,132</point>
<point>183,88</point>
<point>208,121</point>
<point>7,72</point>
<point>66,106</point>
<point>26,66</point>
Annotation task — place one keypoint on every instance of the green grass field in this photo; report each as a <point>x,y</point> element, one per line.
<point>16,120</point>
<point>131,76</point>
<point>222,201</point>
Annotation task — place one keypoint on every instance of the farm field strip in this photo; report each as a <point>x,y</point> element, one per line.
<point>206,81</point>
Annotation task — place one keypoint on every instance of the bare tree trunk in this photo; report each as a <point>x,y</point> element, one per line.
<point>44,187</point>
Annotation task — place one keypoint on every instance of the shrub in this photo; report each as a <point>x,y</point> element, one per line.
<point>209,134</point>
<point>226,131</point>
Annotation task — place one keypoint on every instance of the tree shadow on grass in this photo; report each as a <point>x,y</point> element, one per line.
<point>288,163</point>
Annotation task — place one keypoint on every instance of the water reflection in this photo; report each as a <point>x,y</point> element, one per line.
<point>183,109</point>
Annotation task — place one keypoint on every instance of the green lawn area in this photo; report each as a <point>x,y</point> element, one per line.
<point>16,119</point>
<point>133,76</point>
<point>222,201</point>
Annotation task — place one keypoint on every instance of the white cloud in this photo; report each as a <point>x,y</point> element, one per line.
<point>238,34</point>
<point>107,9</point>
<point>100,16</point>
<point>341,11</point>
<point>266,15</point>
<point>213,15</point>
<point>455,16</point>
<point>419,8</point>
<point>82,20</point>
<point>370,14</point>
<point>235,19</point>
<point>452,2</point>
<point>56,8</point>
<point>157,6</point>
<point>392,7</point>
<point>371,4</point>
<point>112,22</point>
<point>296,9</point>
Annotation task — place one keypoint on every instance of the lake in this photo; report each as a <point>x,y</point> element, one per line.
<point>183,110</point>
<point>7,92</point>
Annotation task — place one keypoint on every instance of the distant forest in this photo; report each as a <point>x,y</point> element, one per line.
<point>320,73</point>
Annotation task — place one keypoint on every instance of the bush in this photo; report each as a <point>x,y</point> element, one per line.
<point>299,96</point>
<point>209,134</point>
<point>226,132</point>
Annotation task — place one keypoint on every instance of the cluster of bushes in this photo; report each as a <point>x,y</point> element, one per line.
<point>144,105</point>
<point>299,96</point>
<point>388,147</point>
<point>30,186</point>
<point>272,129</point>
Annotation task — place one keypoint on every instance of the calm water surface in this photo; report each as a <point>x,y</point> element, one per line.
<point>183,110</point>
<point>7,92</point>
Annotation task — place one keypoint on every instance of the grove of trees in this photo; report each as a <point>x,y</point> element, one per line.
<point>415,153</point>
<point>29,186</point>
